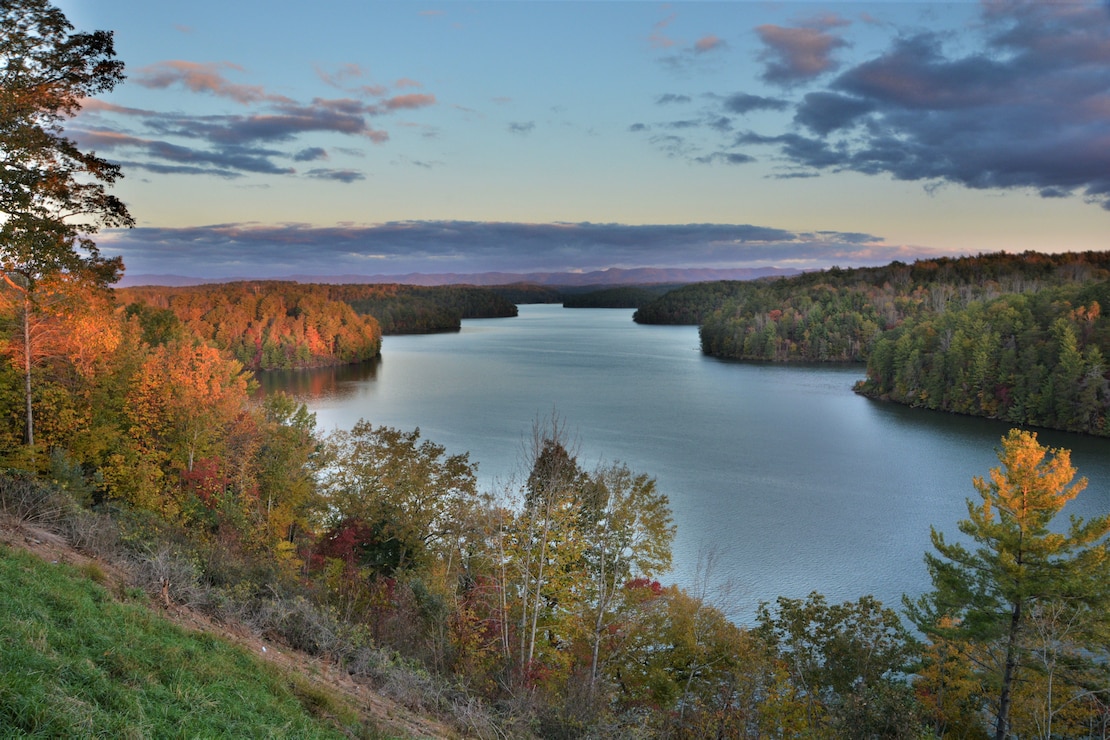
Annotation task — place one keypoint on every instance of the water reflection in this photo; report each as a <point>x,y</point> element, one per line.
<point>318,384</point>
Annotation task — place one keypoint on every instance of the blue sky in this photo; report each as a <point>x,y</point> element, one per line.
<point>264,139</point>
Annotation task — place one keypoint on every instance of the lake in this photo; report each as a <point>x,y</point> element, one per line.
<point>793,482</point>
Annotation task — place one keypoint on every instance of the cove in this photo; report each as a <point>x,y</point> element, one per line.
<point>790,479</point>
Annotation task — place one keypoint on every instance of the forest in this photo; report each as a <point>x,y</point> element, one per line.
<point>1032,321</point>
<point>264,326</point>
<point>131,434</point>
<point>282,326</point>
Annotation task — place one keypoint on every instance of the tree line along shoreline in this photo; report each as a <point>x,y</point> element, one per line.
<point>1016,337</point>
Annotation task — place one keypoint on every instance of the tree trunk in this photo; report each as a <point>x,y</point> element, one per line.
<point>29,436</point>
<point>1002,729</point>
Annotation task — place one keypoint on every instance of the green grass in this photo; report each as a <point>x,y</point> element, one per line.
<point>75,663</point>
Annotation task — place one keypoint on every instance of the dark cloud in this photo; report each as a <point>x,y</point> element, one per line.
<point>825,112</point>
<point>1030,109</point>
<point>345,176</point>
<point>522,127</point>
<point>674,146</point>
<point>231,144</point>
<point>743,103</point>
<point>636,127</point>
<point>310,154</point>
<point>225,161</point>
<point>668,98</point>
<point>252,250</point>
<point>725,158</point>
<point>170,169</point>
<point>810,152</point>
<point>720,123</point>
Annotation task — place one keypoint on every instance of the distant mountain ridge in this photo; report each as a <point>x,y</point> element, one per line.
<point>601,278</point>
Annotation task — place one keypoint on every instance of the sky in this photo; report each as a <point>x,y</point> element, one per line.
<point>267,139</point>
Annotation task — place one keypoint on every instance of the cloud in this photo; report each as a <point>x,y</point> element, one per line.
<point>725,158</point>
<point>344,176</point>
<point>254,250</point>
<point>339,78</point>
<point>201,77</point>
<point>1029,110</point>
<point>709,43</point>
<point>522,127</point>
<point>825,112</point>
<point>310,154</point>
<point>658,39</point>
<point>227,161</point>
<point>743,103</point>
<point>669,98</point>
<point>236,143</point>
<point>795,55</point>
<point>409,102</point>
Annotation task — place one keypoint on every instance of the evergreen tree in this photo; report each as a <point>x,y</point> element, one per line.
<point>1021,568</point>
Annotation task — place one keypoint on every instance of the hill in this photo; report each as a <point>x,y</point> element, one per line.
<point>612,276</point>
<point>87,651</point>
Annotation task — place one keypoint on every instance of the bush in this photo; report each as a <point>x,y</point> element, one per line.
<point>29,502</point>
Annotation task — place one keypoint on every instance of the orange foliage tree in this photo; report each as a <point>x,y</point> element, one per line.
<point>52,195</point>
<point>994,597</point>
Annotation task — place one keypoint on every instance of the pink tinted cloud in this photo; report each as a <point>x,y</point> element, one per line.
<point>796,54</point>
<point>659,40</point>
<point>201,77</point>
<point>708,43</point>
<point>94,105</point>
<point>410,102</point>
<point>339,77</point>
<point>101,139</point>
<point>406,82</point>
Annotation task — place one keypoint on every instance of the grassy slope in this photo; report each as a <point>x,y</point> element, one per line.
<point>77,663</point>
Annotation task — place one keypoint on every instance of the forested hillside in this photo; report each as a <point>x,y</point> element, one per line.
<point>1014,337</point>
<point>625,296</point>
<point>1030,358</point>
<point>263,325</point>
<point>271,325</point>
<point>410,309</point>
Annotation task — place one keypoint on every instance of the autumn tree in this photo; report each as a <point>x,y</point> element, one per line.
<point>1014,594</point>
<point>412,496</point>
<point>53,196</point>
<point>627,530</point>
<point>542,549</point>
<point>182,403</point>
<point>286,464</point>
<point>847,662</point>
<point>567,543</point>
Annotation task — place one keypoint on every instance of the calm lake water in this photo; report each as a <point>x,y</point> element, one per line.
<point>794,482</point>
